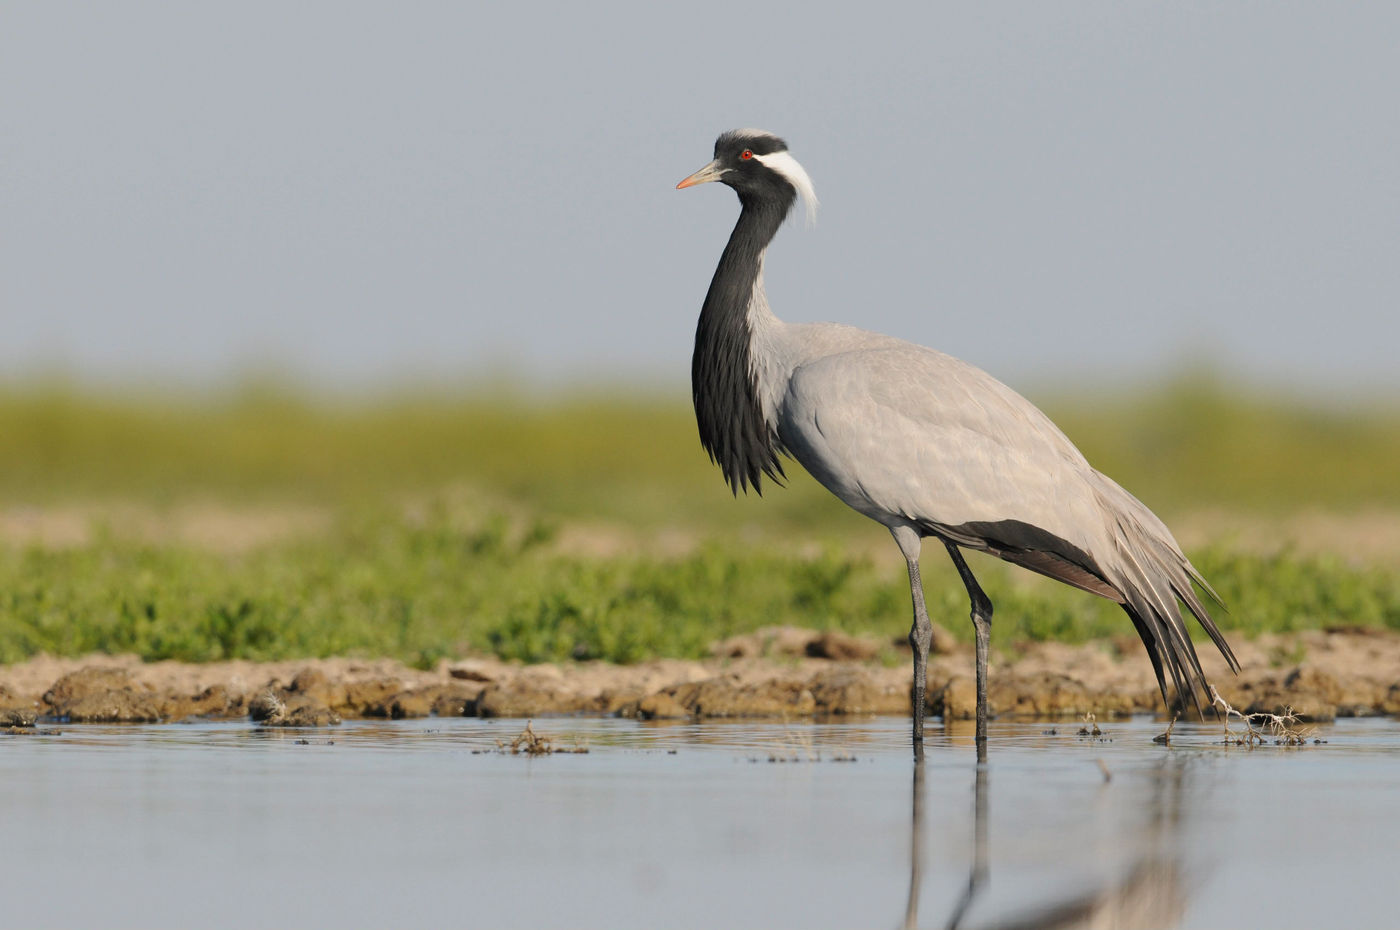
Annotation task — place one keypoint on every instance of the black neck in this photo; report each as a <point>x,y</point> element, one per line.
<point>727,409</point>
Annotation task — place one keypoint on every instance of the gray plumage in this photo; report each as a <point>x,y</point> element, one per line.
<point>921,442</point>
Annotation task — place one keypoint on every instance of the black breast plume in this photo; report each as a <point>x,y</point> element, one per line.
<point>727,408</point>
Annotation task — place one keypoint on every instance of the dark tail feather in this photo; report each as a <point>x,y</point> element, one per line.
<point>1147,574</point>
<point>1167,658</point>
<point>1168,655</point>
<point>1155,578</point>
<point>1149,640</point>
<point>1193,603</point>
<point>1162,628</point>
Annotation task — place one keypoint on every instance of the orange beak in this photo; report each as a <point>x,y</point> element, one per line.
<point>711,172</point>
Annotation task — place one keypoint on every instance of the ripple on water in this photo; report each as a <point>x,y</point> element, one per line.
<point>742,823</point>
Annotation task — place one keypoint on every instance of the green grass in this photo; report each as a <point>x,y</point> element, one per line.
<point>445,515</point>
<point>420,591</point>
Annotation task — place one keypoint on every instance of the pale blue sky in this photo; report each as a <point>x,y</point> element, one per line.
<point>362,193</point>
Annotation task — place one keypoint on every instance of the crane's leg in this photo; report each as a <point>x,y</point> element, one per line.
<point>920,637</point>
<point>982,625</point>
<point>920,634</point>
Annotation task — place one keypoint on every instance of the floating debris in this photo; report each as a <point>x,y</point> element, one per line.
<point>1280,728</point>
<point>1165,738</point>
<point>17,717</point>
<point>530,743</point>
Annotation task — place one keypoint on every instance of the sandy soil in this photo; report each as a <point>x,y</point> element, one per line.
<point>1366,536</point>
<point>777,672</point>
<point>205,524</point>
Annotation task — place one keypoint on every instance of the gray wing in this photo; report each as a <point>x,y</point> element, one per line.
<point>908,435</point>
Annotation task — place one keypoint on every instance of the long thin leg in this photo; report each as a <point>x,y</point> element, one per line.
<point>921,633</point>
<point>920,637</point>
<point>982,625</point>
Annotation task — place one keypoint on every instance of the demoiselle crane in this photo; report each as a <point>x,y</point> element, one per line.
<point>921,442</point>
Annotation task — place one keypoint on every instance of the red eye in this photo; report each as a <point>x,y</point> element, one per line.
<point>745,155</point>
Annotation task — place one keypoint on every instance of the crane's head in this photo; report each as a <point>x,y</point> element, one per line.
<point>758,166</point>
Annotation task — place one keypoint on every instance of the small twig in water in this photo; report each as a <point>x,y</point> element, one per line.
<point>531,743</point>
<point>1279,726</point>
<point>1166,738</point>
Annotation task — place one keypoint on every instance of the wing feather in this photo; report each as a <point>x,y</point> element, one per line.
<point>908,435</point>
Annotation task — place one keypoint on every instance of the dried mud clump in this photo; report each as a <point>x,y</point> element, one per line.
<point>313,686</point>
<point>371,698</point>
<point>730,696</point>
<point>401,705</point>
<point>103,695</point>
<point>217,700</point>
<point>843,647</point>
<point>268,709</point>
<point>847,689</point>
<point>453,700</point>
<point>776,672</point>
<point>530,696</point>
<point>12,717</point>
<point>781,641</point>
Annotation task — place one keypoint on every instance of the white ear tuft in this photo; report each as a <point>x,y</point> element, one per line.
<point>788,167</point>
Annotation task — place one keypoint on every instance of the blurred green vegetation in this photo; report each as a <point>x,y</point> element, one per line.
<point>448,519</point>
<point>1200,442</point>
<point>633,456</point>
<point>423,590</point>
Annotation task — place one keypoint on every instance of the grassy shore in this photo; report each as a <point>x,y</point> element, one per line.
<point>589,527</point>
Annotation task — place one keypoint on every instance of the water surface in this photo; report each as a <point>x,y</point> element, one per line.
<point>698,824</point>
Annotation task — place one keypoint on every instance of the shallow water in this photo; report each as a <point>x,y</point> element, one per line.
<point>687,825</point>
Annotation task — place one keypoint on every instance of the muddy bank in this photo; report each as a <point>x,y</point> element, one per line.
<point>779,672</point>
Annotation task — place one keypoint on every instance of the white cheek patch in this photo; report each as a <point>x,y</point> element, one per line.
<point>788,167</point>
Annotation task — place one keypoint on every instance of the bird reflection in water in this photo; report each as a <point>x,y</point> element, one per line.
<point>1149,894</point>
